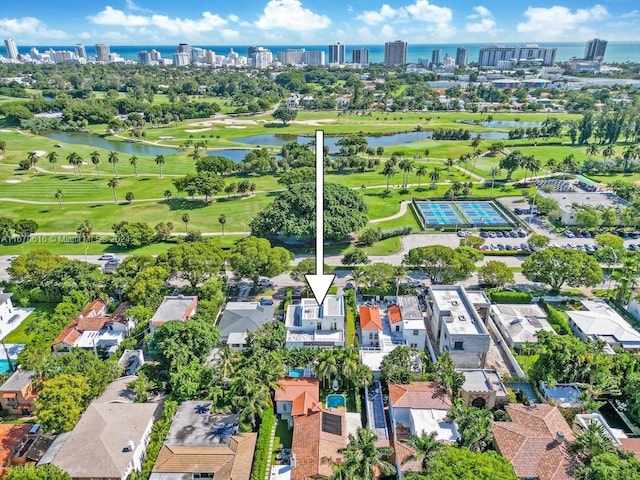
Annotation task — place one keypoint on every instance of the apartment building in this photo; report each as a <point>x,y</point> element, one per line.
<point>311,325</point>
<point>395,53</point>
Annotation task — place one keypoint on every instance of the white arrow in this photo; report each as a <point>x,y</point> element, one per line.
<point>320,283</point>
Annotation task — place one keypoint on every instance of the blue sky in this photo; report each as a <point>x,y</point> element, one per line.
<point>219,22</point>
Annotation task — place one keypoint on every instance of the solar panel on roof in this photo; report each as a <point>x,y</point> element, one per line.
<point>331,423</point>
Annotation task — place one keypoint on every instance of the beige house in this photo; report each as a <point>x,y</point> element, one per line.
<point>16,394</point>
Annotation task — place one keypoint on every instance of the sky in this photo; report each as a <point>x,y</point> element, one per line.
<point>282,22</point>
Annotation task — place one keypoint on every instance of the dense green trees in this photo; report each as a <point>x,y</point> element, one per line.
<point>442,264</point>
<point>557,266</point>
<point>462,464</point>
<point>194,262</point>
<point>285,114</point>
<point>402,365</point>
<point>255,257</point>
<point>363,459</point>
<point>495,274</point>
<point>61,402</point>
<point>132,235</point>
<point>31,472</point>
<point>293,213</point>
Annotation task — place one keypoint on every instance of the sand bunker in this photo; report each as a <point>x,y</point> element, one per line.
<point>69,167</point>
<point>40,153</point>
<point>12,180</point>
<point>5,130</point>
<point>197,130</point>
<point>235,126</point>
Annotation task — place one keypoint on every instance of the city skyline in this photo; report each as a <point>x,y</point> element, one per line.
<point>144,22</point>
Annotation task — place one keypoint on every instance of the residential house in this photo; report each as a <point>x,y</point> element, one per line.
<point>17,395</point>
<point>174,307</point>
<point>599,321</point>
<point>483,388</point>
<point>110,440</point>
<point>415,408</point>
<point>370,326</point>
<point>94,330</point>
<point>536,442</point>
<point>242,317</point>
<point>311,325</point>
<point>318,438</point>
<point>456,327</point>
<point>11,436</point>
<point>203,444</point>
<point>297,396</point>
<point>410,322</point>
<point>617,435</point>
<point>519,324</point>
<point>6,307</point>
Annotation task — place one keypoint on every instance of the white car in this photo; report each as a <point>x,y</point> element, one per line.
<point>265,282</point>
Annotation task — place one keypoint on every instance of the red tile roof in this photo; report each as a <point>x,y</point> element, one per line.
<point>10,436</point>
<point>94,308</point>
<point>92,324</point>
<point>419,395</point>
<point>529,442</point>
<point>290,388</point>
<point>370,318</point>
<point>631,445</point>
<point>394,314</point>
<point>90,319</point>
<point>315,451</point>
<point>304,403</point>
<point>69,335</point>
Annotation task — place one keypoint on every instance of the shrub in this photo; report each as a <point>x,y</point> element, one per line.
<point>511,297</point>
<point>556,319</point>
<point>262,448</point>
<point>395,232</point>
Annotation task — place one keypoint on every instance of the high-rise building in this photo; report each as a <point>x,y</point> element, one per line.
<point>360,56</point>
<point>292,56</point>
<point>594,51</point>
<point>184,48</point>
<point>395,53</point>
<point>155,56</point>
<point>252,50</point>
<point>197,55</point>
<point>11,47</point>
<point>491,56</point>
<point>102,53</point>
<point>144,57</point>
<point>436,57</point>
<point>462,57</point>
<point>313,57</point>
<point>80,51</point>
<point>336,53</point>
<point>260,57</point>
<point>181,59</point>
<point>210,57</point>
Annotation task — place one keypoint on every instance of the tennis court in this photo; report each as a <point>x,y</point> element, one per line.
<point>468,214</point>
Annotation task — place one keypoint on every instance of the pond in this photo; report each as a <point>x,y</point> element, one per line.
<point>131,148</point>
<point>501,124</point>
<point>278,140</point>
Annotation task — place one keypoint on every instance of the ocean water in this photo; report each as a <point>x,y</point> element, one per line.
<point>616,51</point>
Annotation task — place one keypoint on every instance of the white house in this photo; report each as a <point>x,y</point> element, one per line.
<point>311,325</point>
<point>519,324</point>
<point>239,318</point>
<point>6,307</point>
<point>599,321</point>
<point>174,307</point>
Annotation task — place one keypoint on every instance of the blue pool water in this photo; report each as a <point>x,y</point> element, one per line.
<point>478,214</point>
<point>336,401</point>
<point>296,372</point>
<point>4,365</point>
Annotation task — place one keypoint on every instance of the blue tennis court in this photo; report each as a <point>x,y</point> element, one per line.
<point>467,214</point>
<point>436,213</point>
<point>482,213</point>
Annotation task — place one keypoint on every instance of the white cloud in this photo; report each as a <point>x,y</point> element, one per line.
<point>387,32</point>
<point>428,12</point>
<point>233,17</point>
<point>84,35</point>
<point>485,22</point>
<point>136,8</point>
<point>290,15</point>
<point>386,12</point>
<point>553,22</point>
<point>19,27</point>
<point>229,34</point>
<point>111,16</point>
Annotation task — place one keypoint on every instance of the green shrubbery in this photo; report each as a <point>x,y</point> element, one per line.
<point>511,297</point>
<point>556,319</point>
<point>395,232</point>
<point>262,448</point>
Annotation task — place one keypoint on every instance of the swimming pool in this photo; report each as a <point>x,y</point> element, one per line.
<point>468,214</point>
<point>4,365</point>
<point>336,401</point>
<point>296,372</point>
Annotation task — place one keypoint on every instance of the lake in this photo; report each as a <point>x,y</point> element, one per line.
<point>131,148</point>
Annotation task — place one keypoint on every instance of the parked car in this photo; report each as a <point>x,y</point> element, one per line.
<point>501,246</point>
<point>12,258</point>
<point>569,234</point>
<point>265,282</point>
<point>113,261</point>
<point>484,234</point>
<point>492,235</point>
<point>499,234</point>
<point>349,286</point>
<point>106,256</point>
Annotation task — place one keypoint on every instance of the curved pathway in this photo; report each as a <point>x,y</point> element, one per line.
<point>403,209</point>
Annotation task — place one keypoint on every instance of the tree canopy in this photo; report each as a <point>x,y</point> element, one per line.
<point>558,266</point>
<point>293,213</point>
<point>193,262</point>
<point>254,257</point>
<point>443,264</point>
<point>462,464</point>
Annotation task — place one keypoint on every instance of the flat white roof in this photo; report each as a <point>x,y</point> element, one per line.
<point>459,313</point>
<point>373,358</point>
<point>237,338</point>
<point>92,338</point>
<point>521,322</point>
<point>601,321</point>
<point>566,199</point>
<point>333,306</point>
<point>429,420</point>
<point>482,380</point>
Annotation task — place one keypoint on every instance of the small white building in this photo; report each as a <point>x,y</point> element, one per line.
<point>311,325</point>
<point>174,307</point>
<point>566,200</point>
<point>6,307</point>
<point>599,321</point>
<point>519,324</point>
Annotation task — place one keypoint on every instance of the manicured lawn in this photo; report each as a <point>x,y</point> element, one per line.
<point>526,362</point>
<point>20,334</point>
<point>283,437</point>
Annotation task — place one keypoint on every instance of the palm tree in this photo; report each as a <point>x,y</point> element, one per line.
<point>420,172</point>
<point>222,219</point>
<point>32,158</point>
<point>113,160</point>
<point>167,195</point>
<point>327,365</point>
<point>494,173</point>
<point>592,150</point>
<point>425,447</point>
<point>365,458</point>
<point>608,152</point>
<point>160,162</point>
<point>84,231</point>
<point>79,163</point>
<point>449,162</point>
<point>133,161</point>
<point>58,196</point>
<point>550,164</point>
<point>434,176</point>
<point>406,165</point>
<point>95,159</point>
<point>185,219</point>
<point>53,158</point>
<point>226,363</point>
<point>72,159</point>
<point>113,184</point>
<point>349,362</point>
<point>388,171</point>
<point>426,153</point>
<point>253,402</point>
<point>630,153</point>
<point>592,441</point>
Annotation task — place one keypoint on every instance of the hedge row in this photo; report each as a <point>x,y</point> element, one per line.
<point>262,452</point>
<point>556,319</point>
<point>395,232</point>
<point>350,297</point>
<point>511,297</point>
